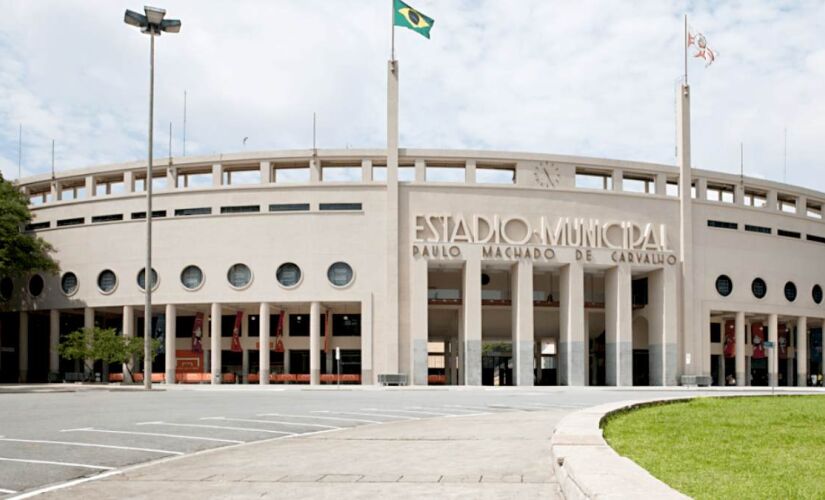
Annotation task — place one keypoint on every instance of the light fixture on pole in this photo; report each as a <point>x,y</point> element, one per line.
<point>153,24</point>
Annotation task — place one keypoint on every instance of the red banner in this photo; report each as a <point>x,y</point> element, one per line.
<point>279,333</point>
<point>730,339</point>
<point>757,340</point>
<point>783,339</point>
<point>197,333</point>
<point>327,331</point>
<point>188,361</point>
<point>236,332</point>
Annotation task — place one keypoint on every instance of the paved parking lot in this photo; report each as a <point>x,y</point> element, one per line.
<point>54,435</point>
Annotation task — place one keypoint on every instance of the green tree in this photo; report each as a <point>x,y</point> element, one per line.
<point>103,344</point>
<point>20,252</point>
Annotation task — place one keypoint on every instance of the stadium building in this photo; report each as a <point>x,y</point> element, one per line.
<point>455,267</point>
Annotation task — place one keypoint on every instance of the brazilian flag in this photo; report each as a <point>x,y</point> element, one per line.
<point>407,17</point>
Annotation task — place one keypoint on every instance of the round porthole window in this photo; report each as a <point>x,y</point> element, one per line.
<point>485,279</point>
<point>288,275</point>
<point>6,288</point>
<point>340,274</point>
<point>141,279</point>
<point>191,277</point>
<point>106,281</point>
<point>239,275</point>
<point>790,291</point>
<point>759,288</point>
<point>724,285</point>
<point>816,293</point>
<point>68,283</point>
<point>35,285</point>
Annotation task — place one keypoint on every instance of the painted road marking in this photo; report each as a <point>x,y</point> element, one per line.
<point>483,408</point>
<point>320,417</point>
<point>92,445</point>
<point>439,409</point>
<point>4,490</point>
<point>367,414</point>
<point>159,434</point>
<point>418,412</point>
<point>204,426</point>
<point>47,462</point>
<point>269,422</point>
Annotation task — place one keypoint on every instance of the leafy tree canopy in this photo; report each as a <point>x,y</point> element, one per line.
<point>104,344</point>
<point>20,252</point>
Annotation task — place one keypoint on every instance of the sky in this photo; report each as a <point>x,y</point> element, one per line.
<point>591,77</point>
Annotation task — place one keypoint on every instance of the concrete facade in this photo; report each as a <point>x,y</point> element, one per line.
<point>466,267</point>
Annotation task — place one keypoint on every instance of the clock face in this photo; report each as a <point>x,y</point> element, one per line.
<point>547,175</point>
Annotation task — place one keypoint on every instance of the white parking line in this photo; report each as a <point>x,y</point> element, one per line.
<point>204,426</point>
<point>440,409</point>
<point>254,421</point>
<point>3,490</point>
<point>418,412</point>
<point>483,408</point>
<point>366,414</point>
<point>47,462</point>
<point>159,434</point>
<point>344,419</point>
<point>93,445</point>
<point>556,406</point>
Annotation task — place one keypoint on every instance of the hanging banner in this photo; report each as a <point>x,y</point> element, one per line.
<point>197,333</point>
<point>730,339</point>
<point>279,333</point>
<point>784,339</point>
<point>236,332</point>
<point>757,340</point>
<point>327,330</point>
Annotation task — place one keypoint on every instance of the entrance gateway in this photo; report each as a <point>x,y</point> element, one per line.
<point>544,301</point>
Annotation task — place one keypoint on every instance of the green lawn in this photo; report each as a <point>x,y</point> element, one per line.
<point>746,447</point>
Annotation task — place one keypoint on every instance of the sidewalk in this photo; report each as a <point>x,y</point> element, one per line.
<point>504,455</point>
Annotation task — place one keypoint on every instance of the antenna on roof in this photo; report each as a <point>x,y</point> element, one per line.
<point>785,160</point>
<point>184,123</point>
<point>170,143</point>
<point>742,163</point>
<point>52,159</point>
<point>314,149</point>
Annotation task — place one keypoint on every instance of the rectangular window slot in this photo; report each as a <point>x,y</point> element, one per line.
<point>818,239</point>
<point>242,209</point>
<point>107,218</point>
<point>155,213</point>
<point>289,207</point>
<point>38,225</point>
<point>340,206</point>
<point>71,222</point>
<point>182,212</point>
<point>788,234</point>
<point>722,224</point>
<point>758,229</point>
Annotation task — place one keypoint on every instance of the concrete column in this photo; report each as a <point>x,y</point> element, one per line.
<point>23,347</point>
<point>315,173</point>
<point>420,170</point>
<point>663,347</point>
<point>128,182</point>
<point>771,200</point>
<point>471,333</point>
<point>244,350</point>
<point>171,178</point>
<point>789,371</point>
<point>315,343</point>
<point>266,172</point>
<point>54,340</point>
<point>522,322</point>
<point>366,340</point>
<point>91,186</point>
<point>263,344</point>
<point>128,332</point>
<point>739,371</point>
<point>618,310</point>
<point>171,339</point>
<point>572,348</point>
<point>217,175</point>
<point>802,205</point>
<point>801,352</point>
<point>618,179</point>
<point>739,194</point>
<point>773,359</point>
<point>419,302</point>
<point>661,184</point>
<point>56,191</point>
<point>215,342</point>
<point>470,172</point>
<point>366,170</point>
<point>89,322</point>
<point>701,189</point>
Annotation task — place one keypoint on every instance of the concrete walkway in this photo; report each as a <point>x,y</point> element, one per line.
<point>503,455</point>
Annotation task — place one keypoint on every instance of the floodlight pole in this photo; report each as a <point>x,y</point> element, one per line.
<point>147,272</point>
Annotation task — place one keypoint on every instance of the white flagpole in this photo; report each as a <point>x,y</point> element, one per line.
<point>392,314</point>
<point>686,50</point>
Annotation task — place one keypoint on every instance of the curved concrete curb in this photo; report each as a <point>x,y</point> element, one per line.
<point>587,467</point>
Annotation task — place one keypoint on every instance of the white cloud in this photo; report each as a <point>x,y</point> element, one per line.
<point>593,78</point>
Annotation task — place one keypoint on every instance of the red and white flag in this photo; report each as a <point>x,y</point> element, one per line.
<point>698,40</point>
<point>236,333</point>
